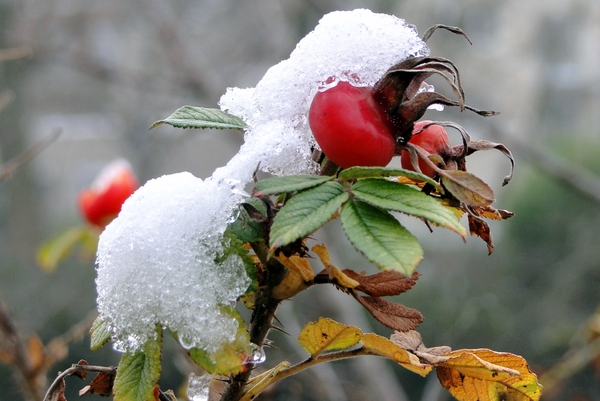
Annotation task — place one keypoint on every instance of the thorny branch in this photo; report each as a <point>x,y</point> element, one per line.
<point>262,317</point>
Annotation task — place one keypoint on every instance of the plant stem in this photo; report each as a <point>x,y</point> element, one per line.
<point>262,317</point>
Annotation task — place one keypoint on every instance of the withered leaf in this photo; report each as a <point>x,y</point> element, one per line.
<point>409,340</point>
<point>492,213</point>
<point>486,375</point>
<point>467,188</point>
<point>102,385</point>
<point>395,316</point>
<point>474,146</point>
<point>480,228</point>
<point>57,393</point>
<point>385,283</point>
<point>412,341</point>
<point>81,373</point>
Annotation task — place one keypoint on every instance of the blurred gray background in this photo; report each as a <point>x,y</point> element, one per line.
<point>103,72</point>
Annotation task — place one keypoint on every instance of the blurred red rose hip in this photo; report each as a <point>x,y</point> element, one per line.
<point>101,203</point>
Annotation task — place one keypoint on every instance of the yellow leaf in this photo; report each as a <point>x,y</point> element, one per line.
<point>381,346</point>
<point>257,384</point>
<point>486,375</point>
<point>297,279</point>
<point>334,272</point>
<point>57,249</point>
<point>328,335</point>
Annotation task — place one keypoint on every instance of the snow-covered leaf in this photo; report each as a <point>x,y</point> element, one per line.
<point>138,373</point>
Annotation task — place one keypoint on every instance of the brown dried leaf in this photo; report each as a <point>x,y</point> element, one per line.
<point>467,188</point>
<point>413,342</point>
<point>486,375</point>
<point>101,385</point>
<point>82,374</point>
<point>385,283</point>
<point>57,393</point>
<point>409,340</point>
<point>480,228</point>
<point>395,316</point>
<point>474,146</point>
<point>492,213</point>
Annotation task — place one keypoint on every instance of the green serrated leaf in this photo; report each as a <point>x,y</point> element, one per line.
<point>467,188</point>
<point>354,173</point>
<point>58,248</point>
<point>244,227</point>
<point>305,212</point>
<point>100,334</point>
<point>290,183</point>
<point>201,118</point>
<point>380,237</point>
<point>138,373</point>
<point>391,195</point>
<point>230,357</point>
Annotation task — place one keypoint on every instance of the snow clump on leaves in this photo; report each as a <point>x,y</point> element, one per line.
<point>156,265</point>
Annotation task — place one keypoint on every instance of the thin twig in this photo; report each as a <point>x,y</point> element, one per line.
<point>76,368</point>
<point>9,168</point>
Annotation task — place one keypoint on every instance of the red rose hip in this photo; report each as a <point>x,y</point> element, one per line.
<point>350,128</point>
<point>432,139</point>
<point>103,200</point>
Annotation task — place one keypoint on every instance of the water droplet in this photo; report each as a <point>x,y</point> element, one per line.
<point>198,387</point>
<point>186,342</point>
<point>257,354</point>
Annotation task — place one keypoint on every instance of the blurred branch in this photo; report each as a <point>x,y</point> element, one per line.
<point>15,53</point>
<point>30,381</point>
<point>567,173</point>
<point>572,362</point>
<point>8,169</point>
<point>6,98</point>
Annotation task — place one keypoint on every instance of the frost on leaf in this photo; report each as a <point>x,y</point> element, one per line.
<point>157,265</point>
<point>357,46</point>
